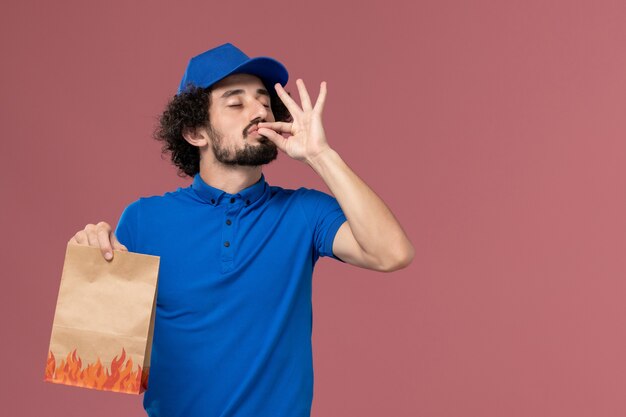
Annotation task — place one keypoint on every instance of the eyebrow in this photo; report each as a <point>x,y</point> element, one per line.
<point>240,91</point>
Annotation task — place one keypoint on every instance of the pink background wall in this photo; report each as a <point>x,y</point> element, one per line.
<point>495,131</point>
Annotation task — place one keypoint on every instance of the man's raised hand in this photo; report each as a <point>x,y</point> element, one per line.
<point>305,138</point>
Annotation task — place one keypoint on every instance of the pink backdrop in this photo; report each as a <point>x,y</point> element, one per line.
<point>495,131</point>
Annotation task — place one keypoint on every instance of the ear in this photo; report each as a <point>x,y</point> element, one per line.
<point>196,137</point>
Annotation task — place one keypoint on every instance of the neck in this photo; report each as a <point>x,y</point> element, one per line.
<point>229,178</point>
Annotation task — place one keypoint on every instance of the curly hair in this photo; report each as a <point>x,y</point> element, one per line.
<point>190,110</point>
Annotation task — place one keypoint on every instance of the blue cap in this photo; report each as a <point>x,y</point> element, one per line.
<point>215,64</point>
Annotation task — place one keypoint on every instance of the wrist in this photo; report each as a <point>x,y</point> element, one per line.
<point>321,158</point>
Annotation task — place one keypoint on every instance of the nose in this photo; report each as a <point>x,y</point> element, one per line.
<point>259,111</point>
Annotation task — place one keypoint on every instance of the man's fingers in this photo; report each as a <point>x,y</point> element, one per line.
<point>92,235</point>
<point>104,242</point>
<point>319,104</point>
<point>280,127</point>
<point>278,140</point>
<point>80,238</point>
<point>99,236</point>
<point>304,95</point>
<point>291,105</point>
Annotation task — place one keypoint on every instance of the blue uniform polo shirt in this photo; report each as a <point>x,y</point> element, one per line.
<point>233,324</point>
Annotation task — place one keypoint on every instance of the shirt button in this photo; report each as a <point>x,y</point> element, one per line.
<point>227,243</point>
<point>228,222</point>
<point>247,202</point>
<point>232,200</point>
<point>212,201</point>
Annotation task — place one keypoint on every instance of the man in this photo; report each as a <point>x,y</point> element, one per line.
<point>232,333</point>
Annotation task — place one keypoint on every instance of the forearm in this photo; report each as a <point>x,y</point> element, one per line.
<point>373,225</point>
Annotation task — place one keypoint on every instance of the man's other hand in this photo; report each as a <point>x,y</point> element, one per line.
<point>99,235</point>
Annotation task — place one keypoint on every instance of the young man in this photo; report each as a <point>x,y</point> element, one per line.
<point>233,324</point>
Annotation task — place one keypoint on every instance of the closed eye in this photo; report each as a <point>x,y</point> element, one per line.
<point>239,105</point>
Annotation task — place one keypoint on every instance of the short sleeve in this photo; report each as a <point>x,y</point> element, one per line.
<point>126,230</point>
<point>325,216</point>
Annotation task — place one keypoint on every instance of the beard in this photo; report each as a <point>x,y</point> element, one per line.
<point>251,155</point>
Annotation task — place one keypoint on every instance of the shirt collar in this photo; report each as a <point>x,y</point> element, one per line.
<point>215,196</point>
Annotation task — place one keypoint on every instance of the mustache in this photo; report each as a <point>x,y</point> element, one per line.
<point>255,122</point>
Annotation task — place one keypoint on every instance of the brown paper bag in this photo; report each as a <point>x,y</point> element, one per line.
<point>104,321</point>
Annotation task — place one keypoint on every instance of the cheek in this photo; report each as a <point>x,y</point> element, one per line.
<point>224,124</point>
